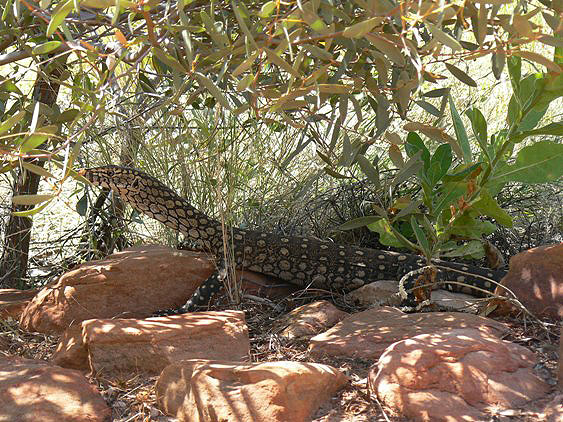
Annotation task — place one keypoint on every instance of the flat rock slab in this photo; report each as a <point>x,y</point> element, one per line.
<point>309,319</point>
<point>454,376</point>
<point>32,391</point>
<point>123,346</point>
<point>14,301</point>
<point>134,283</point>
<point>535,276</point>
<point>367,334</point>
<point>198,391</point>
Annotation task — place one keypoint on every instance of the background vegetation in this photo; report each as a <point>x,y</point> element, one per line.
<point>434,124</point>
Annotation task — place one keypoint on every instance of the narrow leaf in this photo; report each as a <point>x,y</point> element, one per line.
<point>359,222</point>
<point>213,90</point>
<point>30,199</point>
<point>369,170</point>
<point>461,75</point>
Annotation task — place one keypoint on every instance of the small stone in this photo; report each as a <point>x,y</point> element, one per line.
<point>309,319</point>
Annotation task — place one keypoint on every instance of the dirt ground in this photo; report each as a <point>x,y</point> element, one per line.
<point>134,399</point>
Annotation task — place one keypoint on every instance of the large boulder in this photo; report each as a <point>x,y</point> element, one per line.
<point>133,283</point>
<point>198,391</point>
<point>535,276</point>
<point>32,391</point>
<point>367,334</point>
<point>14,301</point>
<point>454,376</point>
<point>123,346</point>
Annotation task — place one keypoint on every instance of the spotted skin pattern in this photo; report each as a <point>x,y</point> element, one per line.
<point>304,261</point>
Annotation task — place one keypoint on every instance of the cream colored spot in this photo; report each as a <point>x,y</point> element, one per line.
<point>284,251</point>
<point>381,267</point>
<point>380,257</point>
<point>402,258</point>
<point>361,253</point>
<point>461,278</point>
<point>284,265</point>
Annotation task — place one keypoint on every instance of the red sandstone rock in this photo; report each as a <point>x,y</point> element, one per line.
<point>310,319</point>
<point>120,346</point>
<point>198,391</point>
<point>367,334</point>
<point>378,292</point>
<point>32,391</point>
<point>13,302</point>
<point>535,276</point>
<point>454,376</point>
<point>131,284</point>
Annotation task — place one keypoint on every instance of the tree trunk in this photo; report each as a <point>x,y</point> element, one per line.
<point>13,265</point>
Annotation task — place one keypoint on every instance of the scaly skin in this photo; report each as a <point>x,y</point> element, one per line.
<point>304,261</point>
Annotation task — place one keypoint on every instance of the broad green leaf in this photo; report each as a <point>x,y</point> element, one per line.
<point>471,227</point>
<point>439,164</point>
<point>449,194</point>
<point>386,235</point>
<point>82,205</point>
<point>541,162</point>
<point>462,172</point>
<point>334,173</point>
<point>58,16</point>
<point>359,222</point>
<point>46,47</point>
<point>473,249</point>
<point>369,170</point>
<point>479,126</point>
<point>414,144</point>
<point>460,132</point>
<point>11,122</point>
<point>487,205</point>
<point>66,116</point>
<point>267,9</point>
<point>38,137</point>
<point>31,199</point>
<point>7,85</point>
